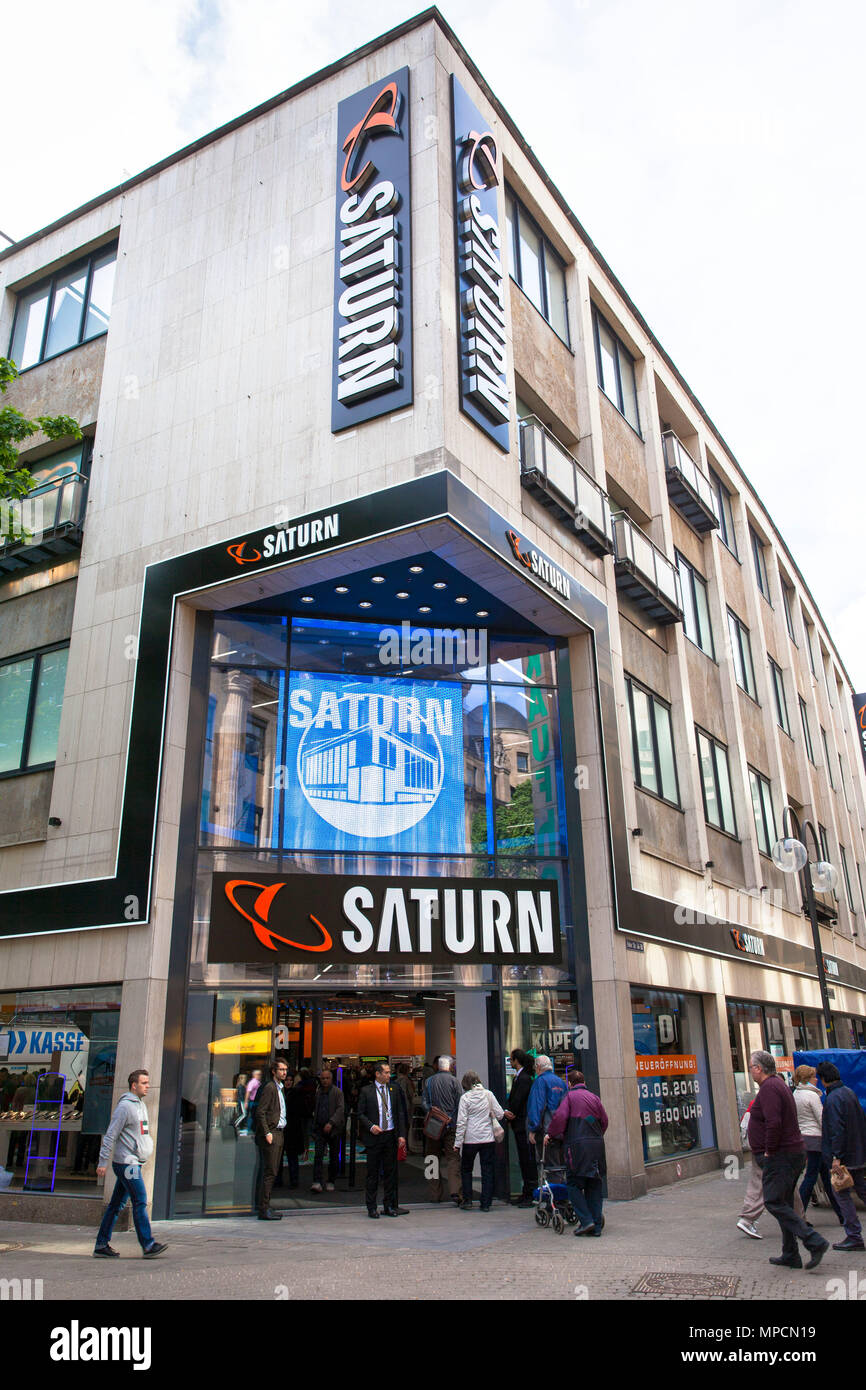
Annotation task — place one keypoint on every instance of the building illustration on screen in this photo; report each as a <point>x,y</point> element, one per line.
<point>375,766</point>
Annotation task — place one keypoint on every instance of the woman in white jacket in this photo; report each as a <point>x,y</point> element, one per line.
<point>475,1135</point>
<point>810,1117</point>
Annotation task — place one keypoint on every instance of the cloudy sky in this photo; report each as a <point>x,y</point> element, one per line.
<point>714,153</point>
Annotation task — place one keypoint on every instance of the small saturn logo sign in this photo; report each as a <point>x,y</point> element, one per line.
<point>237,554</point>
<point>262,906</point>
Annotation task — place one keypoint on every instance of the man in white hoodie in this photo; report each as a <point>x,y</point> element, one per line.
<point>129,1136</point>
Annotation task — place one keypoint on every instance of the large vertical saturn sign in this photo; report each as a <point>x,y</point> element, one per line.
<point>860,723</point>
<point>377,764</point>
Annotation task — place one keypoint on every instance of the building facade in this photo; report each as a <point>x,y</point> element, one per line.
<point>403,663</point>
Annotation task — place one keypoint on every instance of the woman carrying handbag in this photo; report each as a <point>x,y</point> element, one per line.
<point>478,1132</point>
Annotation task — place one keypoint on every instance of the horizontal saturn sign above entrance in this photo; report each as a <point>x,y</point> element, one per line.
<point>323,918</point>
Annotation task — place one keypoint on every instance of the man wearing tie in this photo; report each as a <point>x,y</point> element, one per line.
<point>383,1125</point>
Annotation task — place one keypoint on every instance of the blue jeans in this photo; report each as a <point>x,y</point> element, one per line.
<point>129,1187</point>
<point>586,1196</point>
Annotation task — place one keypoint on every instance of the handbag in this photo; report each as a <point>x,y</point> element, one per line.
<point>840,1179</point>
<point>436,1122</point>
<point>498,1131</point>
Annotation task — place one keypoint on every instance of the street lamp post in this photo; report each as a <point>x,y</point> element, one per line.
<point>791,856</point>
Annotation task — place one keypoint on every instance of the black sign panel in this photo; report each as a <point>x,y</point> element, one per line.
<point>372,360</point>
<point>860,723</point>
<point>324,918</point>
<point>480,272</point>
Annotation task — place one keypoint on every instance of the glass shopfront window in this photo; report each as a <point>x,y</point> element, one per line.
<point>769,1028</point>
<point>672,1077</point>
<point>850,1031</point>
<point>57,1063</point>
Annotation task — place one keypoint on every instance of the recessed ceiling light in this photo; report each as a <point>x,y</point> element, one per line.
<point>482,613</point>
<point>341,589</point>
<point>371,665</point>
<point>416,569</point>
<point>307,598</point>
<point>462,599</point>
<point>402,594</point>
<point>365,603</point>
<point>440,584</point>
<point>425,608</point>
<point>323,641</point>
<point>378,579</point>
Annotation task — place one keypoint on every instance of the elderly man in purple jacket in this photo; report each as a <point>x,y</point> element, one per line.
<point>582,1120</point>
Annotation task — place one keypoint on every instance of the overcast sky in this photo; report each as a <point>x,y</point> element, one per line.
<point>714,153</point>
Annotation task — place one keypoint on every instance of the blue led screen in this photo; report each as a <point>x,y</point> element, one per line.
<point>374,764</point>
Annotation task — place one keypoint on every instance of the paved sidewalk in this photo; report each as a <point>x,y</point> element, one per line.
<point>435,1252</point>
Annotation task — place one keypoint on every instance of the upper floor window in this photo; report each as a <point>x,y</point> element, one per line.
<point>778,683</point>
<point>788,604</point>
<point>810,638</point>
<point>762,804</point>
<point>615,366</point>
<point>807,732</point>
<point>758,549</point>
<point>71,307</point>
<point>741,650</point>
<point>827,763</point>
<point>696,612</point>
<point>652,743</point>
<point>716,782</point>
<point>535,266</point>
<point>726,513</point>
<point>31,698</point>
<point>848,892</point>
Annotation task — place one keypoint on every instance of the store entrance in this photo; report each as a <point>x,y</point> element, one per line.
<point>348,1033</point>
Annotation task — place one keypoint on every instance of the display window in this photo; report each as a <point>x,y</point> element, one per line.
<point>57,1064</point>
<point>673,1084</point>
<point>772,1028</point>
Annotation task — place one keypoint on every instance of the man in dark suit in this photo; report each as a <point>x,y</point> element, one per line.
<point>515,1113</point>
<point>270,1131</point>
<point>383,1125</point>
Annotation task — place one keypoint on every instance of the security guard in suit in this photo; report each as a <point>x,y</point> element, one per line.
<point>383,1124</point>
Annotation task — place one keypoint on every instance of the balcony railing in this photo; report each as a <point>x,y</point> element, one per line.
<point>47,522</point>
<point>644,573</point>
<point>548,470</point>
<point>689,488</point>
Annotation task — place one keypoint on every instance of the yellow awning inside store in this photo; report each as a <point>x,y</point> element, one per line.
<point>240,1043</point>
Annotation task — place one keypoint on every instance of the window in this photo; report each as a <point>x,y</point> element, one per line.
<point>824,660</point>
<point>788,604</point>
<point>535,266</point>
<point>31,698</point>
<point>827,763</point>
<point>716,782</point>
<point>777,681</point>
<point>696,613</point>
<point>843,784</point>
<point>807,733</point>
<point>741,650</point>
<point>726,514</point>
<point>860,882</point>
<point>762,803</point>
<point>822,841</point>
<point>758,549</point>
<point>810,638</point>
<point>615,366</point>
<point>848,892</point>
<point>675,1103</point>
<point>70,308</point>
<point>652,743</point>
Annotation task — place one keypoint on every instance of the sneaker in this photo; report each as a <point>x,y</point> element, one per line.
<point>155,1249</point>
<point>750,1228</point>
<point>465,1206</point>
<point>329,1187</point>
<point>106,1252</point>
<point>849,1243</point>
<point>316,1187</point>
<point>817,1249</point>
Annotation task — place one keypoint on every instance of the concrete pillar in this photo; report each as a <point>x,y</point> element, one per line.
<point>470,1024</point>
<point>437,1028</point>
<point>317,1033</point>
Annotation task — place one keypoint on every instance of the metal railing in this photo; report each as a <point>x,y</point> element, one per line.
<point>679,460</point>
<point>634,545</point>
<point>541,453</point>
<point>44,510</point>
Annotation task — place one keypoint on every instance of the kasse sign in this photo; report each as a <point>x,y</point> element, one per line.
<point>372,362</point>
<point>317,919</point>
